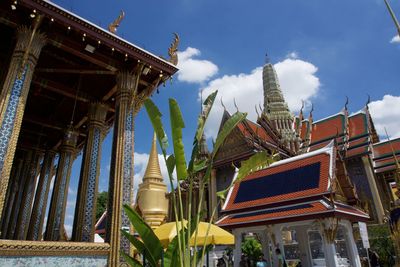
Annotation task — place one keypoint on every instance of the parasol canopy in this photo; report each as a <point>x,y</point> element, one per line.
<point>216,235</point>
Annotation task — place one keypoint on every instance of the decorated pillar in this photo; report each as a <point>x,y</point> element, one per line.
<point>376,199</point>
<point>237,252</point>
<point>55,219</point>
<point>121,172</point>
<point>13,98</point>
<point>28,156</point>
<point>42,192</point>
<point>13,189</point>
<point>85,210</point>
<point>352,246</point>
<point>27,197</point>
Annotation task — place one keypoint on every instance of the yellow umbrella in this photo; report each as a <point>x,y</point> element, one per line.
<point>216,235</point>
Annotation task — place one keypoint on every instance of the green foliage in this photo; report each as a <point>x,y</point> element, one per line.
<point>252,248</point>
<point>380,241</point>
<point>178,252</point>
<point>179,151</point>
<point>101,204</point>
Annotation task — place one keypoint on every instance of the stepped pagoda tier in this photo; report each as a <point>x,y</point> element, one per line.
<point>276,109</point>
<point>65,82</point>
<point>152,199</point>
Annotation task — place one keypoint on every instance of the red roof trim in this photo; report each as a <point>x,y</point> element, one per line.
<point>323,158</point>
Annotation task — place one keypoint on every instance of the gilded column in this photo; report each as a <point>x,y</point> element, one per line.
<point>27,197</point>
<point>13,98</point>
<point>121,172</point>
<point>42,192</point>
<point>55,219</point>
<point>85,210</point>
<point>28,156</point>
<point>12,188</point>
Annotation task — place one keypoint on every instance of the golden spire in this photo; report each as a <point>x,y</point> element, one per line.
<point>152,200</point>
<point>153,166</point>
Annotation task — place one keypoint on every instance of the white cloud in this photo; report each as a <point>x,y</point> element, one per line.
<point>293,55</point>
<point>298,82</point>
<point>194,70</point>
<point>68,229</point>
<point>395,39</point>
<point>71,191</point>
<point>385,114</point>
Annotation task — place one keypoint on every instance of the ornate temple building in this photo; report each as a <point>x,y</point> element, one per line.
<point>290,198</point>
<point>65,82</point>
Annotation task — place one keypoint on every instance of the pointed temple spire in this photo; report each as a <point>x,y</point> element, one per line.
<point>276,108</point>
<point>153,166</point>
<point>203,148</point>
<point>152,200</point>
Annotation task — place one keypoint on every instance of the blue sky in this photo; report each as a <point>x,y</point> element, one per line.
<point>323,51</point>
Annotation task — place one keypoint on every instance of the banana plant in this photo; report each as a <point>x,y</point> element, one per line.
<point>179,250</point>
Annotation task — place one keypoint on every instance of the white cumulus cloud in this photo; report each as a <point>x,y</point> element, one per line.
<point>193,70</point>
<point>385,114</point>
<point>395,39</point>
<point>298,82</point>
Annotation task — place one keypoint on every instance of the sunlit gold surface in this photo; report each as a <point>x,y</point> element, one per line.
<point>152,201</point>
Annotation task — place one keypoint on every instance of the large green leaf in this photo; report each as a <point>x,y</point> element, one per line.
<point>150,240</point>
<point>229,125</point>
<point>155,118</point>
<point>176,127</point>
<point>131,261</point>
<point>207,105</point>
<point>171,258</point>
<point>140,247</point>
<point>258,161</point>
<point>170,164</point>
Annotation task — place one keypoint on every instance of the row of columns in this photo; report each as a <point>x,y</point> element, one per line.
<point>20,190</point>
<point>272,235</point>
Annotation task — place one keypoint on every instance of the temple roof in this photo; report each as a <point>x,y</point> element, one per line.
<point>287,180</point>
<point>352,131</point>
<point>383,155</point>
<point>77,66</point>
<point>298,188</point>
<point>68,18</point>
<point>294,212</point>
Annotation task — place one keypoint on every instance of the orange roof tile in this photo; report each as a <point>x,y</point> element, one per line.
<point>298,177</point>
<point>296,212</point>
<point>328,128</point>
<point>358,125</point>
<point>383,149</point>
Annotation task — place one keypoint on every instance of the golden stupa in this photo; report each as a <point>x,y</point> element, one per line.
<point>152,199</point>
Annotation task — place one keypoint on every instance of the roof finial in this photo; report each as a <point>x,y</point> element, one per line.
<point>222,104</point>
<point>115,24</point>
<point>173,50</point>
<point>267,61</point>
<point>347,102</point>
<point>234,102</point>
<point>396,22</point>
<point>368,100</point>
<point>311,111</point>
